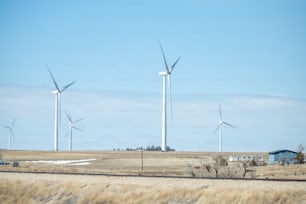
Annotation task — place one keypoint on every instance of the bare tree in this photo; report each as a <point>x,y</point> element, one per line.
<point>216,168</point>
<point>219,162</point>
<point>300,155</point>
<point>300,148</point>
<point>207,167</point>
<point>246,169</point>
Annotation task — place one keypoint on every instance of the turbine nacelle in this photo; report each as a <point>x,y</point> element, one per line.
<point>56,92</point>
<point>163,73</point>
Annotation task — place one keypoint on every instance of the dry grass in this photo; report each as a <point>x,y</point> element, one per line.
<point>296,171</point>
<point>20,188</point>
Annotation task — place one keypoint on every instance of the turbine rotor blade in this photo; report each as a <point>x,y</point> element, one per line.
<point>170,94</point>
<point>78,120</point>
<point>217,128</point>
<point>229,124</point>
<point>166,65</point>
<point>59,110</point>
<point>56,86</point>
<point>77,128</point>
<point>65,87</point>
<point>67,133</point>
<point>13,122</point>
<point>220,112</point>
<point>172,67</point>
<point>68,115</point>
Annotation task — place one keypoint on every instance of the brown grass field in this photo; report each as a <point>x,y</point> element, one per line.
<point>55,188</point>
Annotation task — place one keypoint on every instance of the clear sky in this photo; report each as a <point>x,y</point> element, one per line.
<point>247,55</point>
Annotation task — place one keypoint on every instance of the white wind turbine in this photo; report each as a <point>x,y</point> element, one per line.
<point>71,126</point>
<point>11,134</point>
<point>57,93</point>
<point>221,122</point>
<point>165,74</point>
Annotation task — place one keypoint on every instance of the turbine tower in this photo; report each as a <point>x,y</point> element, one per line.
<point>71,127</point>
<point>166,74</point>
<point>221,122</point>
<point>57,93</point>
<point>11,134</point>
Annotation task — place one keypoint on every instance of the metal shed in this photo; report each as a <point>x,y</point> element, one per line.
<point>282,156</point>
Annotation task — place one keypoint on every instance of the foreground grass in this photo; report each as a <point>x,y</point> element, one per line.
<point>32,188</point>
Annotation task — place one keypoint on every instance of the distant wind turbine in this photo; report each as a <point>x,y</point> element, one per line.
<point>71,126</point>
<point>11,134</point>
<point>57,93</point>
<point>165,74</point>
<point>221,122</point>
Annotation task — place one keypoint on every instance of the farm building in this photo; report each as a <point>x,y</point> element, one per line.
<point>245,158</point>
<point>282,157</point>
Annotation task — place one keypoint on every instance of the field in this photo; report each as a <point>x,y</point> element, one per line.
<point>55,188</point>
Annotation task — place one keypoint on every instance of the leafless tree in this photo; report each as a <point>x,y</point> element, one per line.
<point>300,155</point>
<point>219,162</point>
<point>300,148</point>
<point>207,167</point>
<point>246,169</point>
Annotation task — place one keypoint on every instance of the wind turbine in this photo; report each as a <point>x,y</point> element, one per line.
<point>221,122</point>
<point>166,74</point>
<point>57,93</point>
<point>71,127</point>
<point>11,134</point>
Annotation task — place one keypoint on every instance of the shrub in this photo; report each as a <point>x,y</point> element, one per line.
<point>252,163</point>
<point>300,157</point>
<point>15,164</point>
<point>219,162</point>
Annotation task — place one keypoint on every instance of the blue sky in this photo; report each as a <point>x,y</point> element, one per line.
<point>247,55</point>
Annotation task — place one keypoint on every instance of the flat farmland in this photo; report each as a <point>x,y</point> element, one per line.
<point>153,163</point>
<point>145,163</point>
<point>58,188</point>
